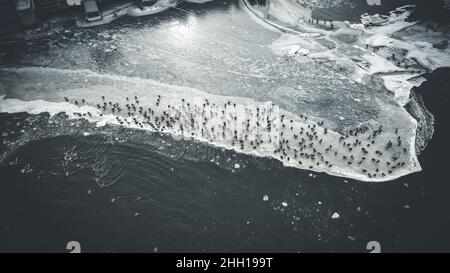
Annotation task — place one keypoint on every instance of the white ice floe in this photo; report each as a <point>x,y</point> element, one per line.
<point>101,123</point>
<point>257,128</point>
<point>335,216</point>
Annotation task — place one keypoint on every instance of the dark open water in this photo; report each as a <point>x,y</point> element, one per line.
<point>129,195</point>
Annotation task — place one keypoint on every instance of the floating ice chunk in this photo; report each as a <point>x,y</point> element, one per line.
<point>101,123</point>
<point>265,198</point>
<point>284,204</point>
<point>335,216</point>
<point>237,166</point>
<point>27,169</point>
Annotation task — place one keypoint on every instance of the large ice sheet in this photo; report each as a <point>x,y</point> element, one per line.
<point>372,152</point>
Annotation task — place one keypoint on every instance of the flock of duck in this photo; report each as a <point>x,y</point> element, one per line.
<point>262,129</point>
